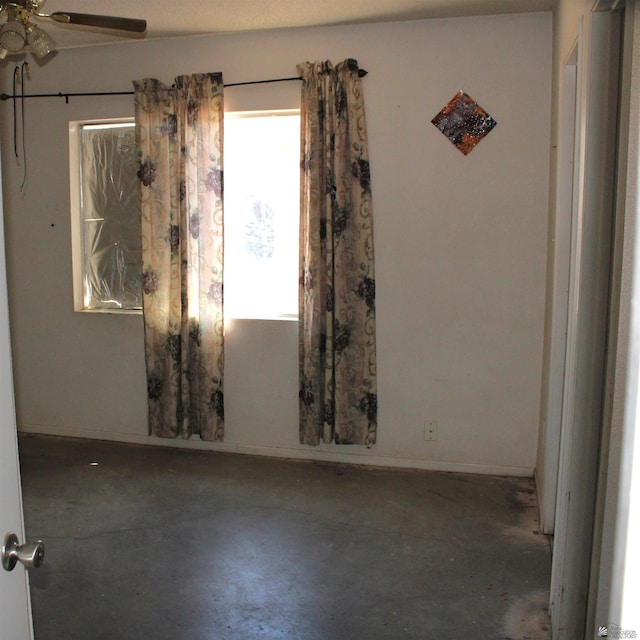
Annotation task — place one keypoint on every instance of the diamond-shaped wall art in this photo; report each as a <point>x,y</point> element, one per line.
<point>464,122</point>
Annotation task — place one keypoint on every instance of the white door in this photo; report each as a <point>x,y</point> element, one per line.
<point>15,608</point>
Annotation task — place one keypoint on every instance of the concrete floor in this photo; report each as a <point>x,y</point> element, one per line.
<point>153,543</point>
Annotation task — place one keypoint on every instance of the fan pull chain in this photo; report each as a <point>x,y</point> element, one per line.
<point>20,74</point>
<point>16,73</point>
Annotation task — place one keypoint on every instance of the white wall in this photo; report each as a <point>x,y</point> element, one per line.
<point>460,242</point>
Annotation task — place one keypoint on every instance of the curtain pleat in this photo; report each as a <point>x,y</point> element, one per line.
<point>179,133</point>
<point>337,342</point>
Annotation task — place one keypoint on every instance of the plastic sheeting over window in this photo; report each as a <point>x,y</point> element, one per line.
<point>111,255</point>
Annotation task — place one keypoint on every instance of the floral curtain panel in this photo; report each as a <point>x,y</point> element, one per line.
<point>337,343</point>
<point>179,138</point>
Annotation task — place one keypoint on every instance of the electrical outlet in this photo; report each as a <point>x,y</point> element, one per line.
<point>431,430</point>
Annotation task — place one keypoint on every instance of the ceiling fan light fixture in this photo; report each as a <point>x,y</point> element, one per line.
<point>13,36</point>
<point>41,43</point>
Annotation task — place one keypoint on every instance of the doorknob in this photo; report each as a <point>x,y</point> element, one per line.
<point>31,554</point>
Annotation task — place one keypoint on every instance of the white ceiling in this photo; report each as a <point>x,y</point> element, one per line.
<point>175,18</point>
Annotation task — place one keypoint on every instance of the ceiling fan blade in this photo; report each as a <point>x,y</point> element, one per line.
<point>105,22</point>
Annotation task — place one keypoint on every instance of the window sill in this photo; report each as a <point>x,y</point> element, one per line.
<point>138,312</point>
<point>117,312</point>
<point>284,317</point>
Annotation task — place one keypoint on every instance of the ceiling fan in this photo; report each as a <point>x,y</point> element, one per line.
<point>19,31</point>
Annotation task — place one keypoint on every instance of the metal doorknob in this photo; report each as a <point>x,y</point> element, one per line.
<point>31,554</point>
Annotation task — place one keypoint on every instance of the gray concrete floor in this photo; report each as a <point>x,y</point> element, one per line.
<point>155,543</point>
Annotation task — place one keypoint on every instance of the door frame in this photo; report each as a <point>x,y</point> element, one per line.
<point>588,318</point>
<point>559,266</point>
<point>615,579</point>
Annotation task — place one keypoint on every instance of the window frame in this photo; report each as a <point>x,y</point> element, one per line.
<point>263,113</point>
<point>77,220</point>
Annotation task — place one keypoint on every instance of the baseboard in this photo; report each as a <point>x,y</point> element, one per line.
<point>315,454</point>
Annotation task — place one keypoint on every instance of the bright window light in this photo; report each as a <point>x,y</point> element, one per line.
<point>261,212</point>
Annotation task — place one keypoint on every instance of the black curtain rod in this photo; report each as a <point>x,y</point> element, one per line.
<point>66,96</point>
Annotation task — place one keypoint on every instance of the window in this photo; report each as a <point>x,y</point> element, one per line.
<point>105,221</point>
<point>261,211</point>
<point>261,214</point>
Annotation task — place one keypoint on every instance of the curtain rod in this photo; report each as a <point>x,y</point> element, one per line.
<point>66,96</point>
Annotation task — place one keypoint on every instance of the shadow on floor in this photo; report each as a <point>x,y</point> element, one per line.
<point>158,543</point>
